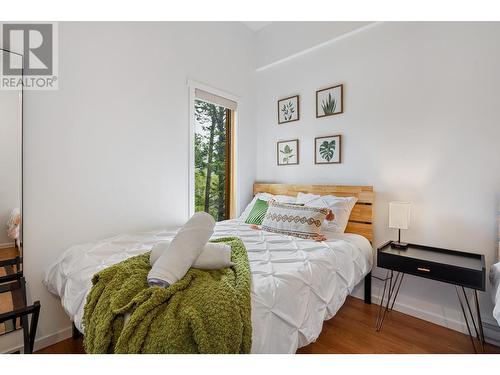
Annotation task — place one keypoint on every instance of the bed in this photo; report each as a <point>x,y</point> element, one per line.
<point>296,283</point>
<point>495,279</point>
<point>495,282</point>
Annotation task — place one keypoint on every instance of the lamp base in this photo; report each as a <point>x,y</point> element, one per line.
<point>399,245</point>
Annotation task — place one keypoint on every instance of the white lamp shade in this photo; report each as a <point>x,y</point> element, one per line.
<point>399,215</point>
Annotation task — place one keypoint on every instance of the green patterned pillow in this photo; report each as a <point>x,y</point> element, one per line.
<point>256,216</point>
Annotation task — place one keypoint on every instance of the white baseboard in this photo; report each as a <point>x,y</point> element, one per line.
<point>491,330</point>
<point>45,341</point>
<point>6,245</point>
<point>492,333</point>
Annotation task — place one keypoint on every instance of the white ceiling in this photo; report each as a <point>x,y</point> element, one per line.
<point>256,25</point>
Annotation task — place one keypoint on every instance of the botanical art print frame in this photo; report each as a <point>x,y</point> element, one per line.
<point>287,152</point>
<point>330,101</point>
<point>327,150</point>
<point>288,109</point>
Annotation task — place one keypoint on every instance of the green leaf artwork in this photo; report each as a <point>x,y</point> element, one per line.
<point>287,154</point>
<point>329,105</point>
<point>288,110</point>
<point>327,149</point>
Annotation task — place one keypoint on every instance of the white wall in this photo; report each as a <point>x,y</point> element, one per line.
<point>421,123</point>
<point>108,152</point>
<point>280,40</point>
<point>10,158</point>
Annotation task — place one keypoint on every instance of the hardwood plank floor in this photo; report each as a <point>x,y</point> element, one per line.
<point>68,346</point>
<point>351,332</point>
<point>8,253</point>
<point>9,300</point>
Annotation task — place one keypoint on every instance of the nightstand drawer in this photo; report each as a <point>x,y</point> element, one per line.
<point>467,277</point>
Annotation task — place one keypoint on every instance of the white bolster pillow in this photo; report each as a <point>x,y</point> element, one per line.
<point>184,249</point>
<point>213,257</point>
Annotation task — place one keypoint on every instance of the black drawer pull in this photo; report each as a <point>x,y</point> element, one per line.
<point>423,269</point>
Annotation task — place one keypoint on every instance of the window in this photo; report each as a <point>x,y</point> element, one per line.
<point>213,170</point>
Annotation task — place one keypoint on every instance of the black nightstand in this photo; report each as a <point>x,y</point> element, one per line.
<point>462,269</point>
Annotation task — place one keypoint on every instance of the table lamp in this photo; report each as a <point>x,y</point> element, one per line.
<point>399,218</point>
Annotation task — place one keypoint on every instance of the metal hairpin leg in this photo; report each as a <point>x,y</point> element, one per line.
<point>480,322</point>
<point>391,285</point>
<point>478,328</point>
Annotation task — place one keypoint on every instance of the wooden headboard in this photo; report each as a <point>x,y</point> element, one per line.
<point>361,219</point>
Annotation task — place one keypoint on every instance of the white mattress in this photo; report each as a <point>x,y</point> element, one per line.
<point>495,282</point>
<point>296,283</point>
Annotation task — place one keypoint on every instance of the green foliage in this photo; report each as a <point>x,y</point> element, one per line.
<point>329,105</point>
<point>210,159</point>
<point>327,149</point>
<point>287,154</point>
<point>288,110</point>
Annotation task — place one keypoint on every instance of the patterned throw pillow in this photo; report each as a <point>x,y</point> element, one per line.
<point>256,216</point>
<point>294,220</point>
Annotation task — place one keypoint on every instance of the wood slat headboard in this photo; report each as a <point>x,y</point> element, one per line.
<point>361,219</point>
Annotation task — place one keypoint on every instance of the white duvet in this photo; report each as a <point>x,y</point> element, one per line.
<point>495,282</point>
<point>296,283</point>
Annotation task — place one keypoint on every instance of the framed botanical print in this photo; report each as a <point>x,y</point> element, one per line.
<point>329,101</point>
<point>288,152</point>
<point>327,149</point>
<point>288,109</point>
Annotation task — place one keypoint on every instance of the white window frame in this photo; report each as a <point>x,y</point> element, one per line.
<point>192,86</point>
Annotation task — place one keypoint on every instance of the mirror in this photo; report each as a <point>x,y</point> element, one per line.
<point>11,161</point>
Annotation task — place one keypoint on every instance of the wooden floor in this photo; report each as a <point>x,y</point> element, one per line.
<point>8,253</point>
<point>9,300</point>
<point>351,331</point>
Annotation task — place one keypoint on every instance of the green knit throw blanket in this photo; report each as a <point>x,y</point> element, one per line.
<point>204,312</point>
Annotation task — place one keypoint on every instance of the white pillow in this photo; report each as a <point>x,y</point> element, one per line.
<point>265,197</point>
<point>340,206</point>
<point>303,198</point>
